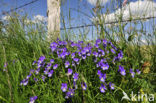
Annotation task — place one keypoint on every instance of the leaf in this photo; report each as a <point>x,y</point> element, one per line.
<point>1,98</point>
<point>131,37</point>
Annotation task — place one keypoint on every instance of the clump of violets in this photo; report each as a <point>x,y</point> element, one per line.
<point>67,62</point>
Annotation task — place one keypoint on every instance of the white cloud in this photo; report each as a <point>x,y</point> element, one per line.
<point>93,2</point>
<point>27,21</point>
<point>144,41</point>
<point>135,10</point>
<point>6,18</point>
<point>36,19</point>
<point>39,18</point>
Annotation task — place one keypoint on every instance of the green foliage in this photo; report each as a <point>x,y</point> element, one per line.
<point>21,44</point>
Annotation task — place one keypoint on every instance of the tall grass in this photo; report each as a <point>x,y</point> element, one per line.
<point>19,46</point>
<point>22,43</point>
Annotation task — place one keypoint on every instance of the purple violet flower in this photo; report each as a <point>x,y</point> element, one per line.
<point>73,44</point>
<point>75,76</point>
<point>54,44</point>
<point>102,77</point>
<point>33,99</point>
<point>73,64</point>
<point>34,63</point>
<point>138,71</point>
<point>64,87</point>
<point>63,55</point>
<point>120,55</point>
<point>70,71</point>
<point>107,52</point>
<point>53,48</point>
<point>132,73</point>
<point>79,53</point>
<point>87,49</point>
<point>88,54</point>
<point>83,51</point>
<point>52,61</point>
<point>111,85</point>
<point>122,70</point>
<point>99,73</point>
<point>35,79</point>
<point>103,60</point>
<point>5,65</point>
<point>98,41</point>
<point>110,42</point>
<point>80,42</point>
<point>84,86</point>
<point>32,71</point>
<point>43,77</point>
<point>113,47</point>
<point>101,52</point>
<point>28,76</point>
<point>70,93</point>
<point>76,60</point>
<point>75,85</point>
<point>104,41</point>
<point>104,66</point>
<point>37,71</point>
<point>67,64</point>
<point>24,82</point>
<point>60,42</point>
<point>113,51</point>
<point>46,71</point>
<point>83,56</point>
<point>41,59</point>
<point>67,53</point>
<point>115,59</point>
<point>96,46</point>
<point>55,66</point>
<point>102,88</point>
<point>73,55</point>
<point>48,66</point>
<point>95,54</point>
<point>50,73</point>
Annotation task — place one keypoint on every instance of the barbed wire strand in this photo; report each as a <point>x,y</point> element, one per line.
<point>14,9</point>
<point>107,23</point>
<point>81,26</point>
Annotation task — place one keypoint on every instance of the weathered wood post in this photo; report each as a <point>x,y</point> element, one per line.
<point>53,14</point>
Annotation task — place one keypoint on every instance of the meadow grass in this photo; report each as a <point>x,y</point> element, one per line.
<point>21,44</point>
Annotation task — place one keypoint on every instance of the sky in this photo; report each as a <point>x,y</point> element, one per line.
<point>80,11</point>
<point>37,8</point>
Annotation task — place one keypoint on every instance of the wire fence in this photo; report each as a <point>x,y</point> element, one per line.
<point>113,22</point>
<point>19,7</point>
<point>76,27</point>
